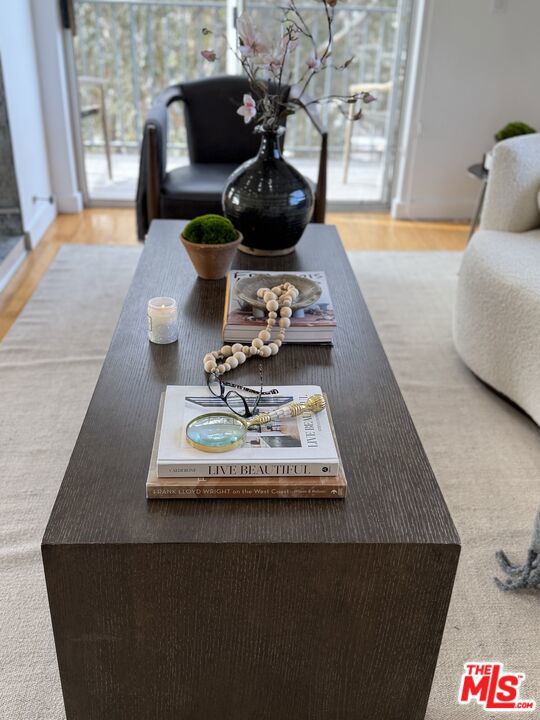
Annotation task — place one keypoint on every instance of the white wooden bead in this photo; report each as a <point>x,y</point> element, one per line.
<point>264,335</point>
<point>240,357</point>
<point>210,365</point>
<point>215,353</point>
<point>272,305</point>
<point>233,362</point>
<point>277,342</point>
<point>237,347</point>
<point>268,296</point>
<point>257,342</point>
<point>287,302</point>
<point>271,322</point>
<point>284,322</point>
<point>285,312</point>
<point>245,349</point>
<point>227,366</point>
<point>265,351</point>
<point>226,351</point>
<point>277,290</point>
<point>261,291</point>
<point>209,358</point>
<point>253,350</point>
<point>274,347</point>
<point>221,369</point>
<point>272,314</point>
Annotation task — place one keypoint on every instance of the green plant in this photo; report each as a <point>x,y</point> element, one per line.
<point>513,129</point>
<point>210,230</point>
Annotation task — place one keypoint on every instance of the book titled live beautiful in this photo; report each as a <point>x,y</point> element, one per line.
<point>300,446</point>
<point>324,487</point>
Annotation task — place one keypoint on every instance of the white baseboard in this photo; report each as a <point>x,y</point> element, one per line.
<point>11,263</point>
<point>70,203</point>
<point>43,216</point>
<point>433,210</point>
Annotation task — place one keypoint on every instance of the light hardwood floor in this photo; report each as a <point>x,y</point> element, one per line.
<point>359,231</point>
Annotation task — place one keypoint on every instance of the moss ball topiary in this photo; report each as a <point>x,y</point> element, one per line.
<point>210,230</point>
<point>514,129</point>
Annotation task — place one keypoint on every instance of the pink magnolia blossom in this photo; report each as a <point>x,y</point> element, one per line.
<point>209,55</point>
<point>249,109</point>
<point>314,63</point>
<point>276,54</point>
<point>253,42</point>
<point>273,58</point>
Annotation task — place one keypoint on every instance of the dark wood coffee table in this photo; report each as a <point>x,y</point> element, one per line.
<point>247,610</point>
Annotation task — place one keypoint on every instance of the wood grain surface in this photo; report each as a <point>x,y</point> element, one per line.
<point>106,226</point>
<point>266,610</point>
<point>393,494</point>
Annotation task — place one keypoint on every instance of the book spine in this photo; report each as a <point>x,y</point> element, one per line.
<point>168,470</point>
<point>246,492</point>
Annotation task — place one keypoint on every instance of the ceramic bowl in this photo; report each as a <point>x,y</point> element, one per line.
<point>309,290</point>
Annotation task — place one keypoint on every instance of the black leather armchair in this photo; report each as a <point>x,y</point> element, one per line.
<point>218,142</point>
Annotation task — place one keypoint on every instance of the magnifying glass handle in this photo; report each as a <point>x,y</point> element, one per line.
<point>314,404</point>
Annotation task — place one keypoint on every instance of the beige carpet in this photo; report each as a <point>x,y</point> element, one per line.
<point>49,364</point>
<point>485,454</point>
<point>486,457</point>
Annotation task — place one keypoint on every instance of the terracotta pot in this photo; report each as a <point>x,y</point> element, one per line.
<point>211,262</point>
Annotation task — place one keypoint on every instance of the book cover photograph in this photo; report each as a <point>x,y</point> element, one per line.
<point>302,445</point>
<point>313,321</point>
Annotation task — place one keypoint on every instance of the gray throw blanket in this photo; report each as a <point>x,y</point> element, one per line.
<point>525,576</point>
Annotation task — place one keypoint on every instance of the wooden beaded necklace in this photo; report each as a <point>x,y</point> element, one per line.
<point>278,299</point>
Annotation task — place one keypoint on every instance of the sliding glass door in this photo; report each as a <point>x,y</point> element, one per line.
<point>361,153</point>
<point>127,51</point>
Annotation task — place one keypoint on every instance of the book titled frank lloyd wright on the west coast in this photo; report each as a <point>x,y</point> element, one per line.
<point>266,486</point>
<point>300,446</point>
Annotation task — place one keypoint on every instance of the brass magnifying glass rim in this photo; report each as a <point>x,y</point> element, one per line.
<point>217,448</point>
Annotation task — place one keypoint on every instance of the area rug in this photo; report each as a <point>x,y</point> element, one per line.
<point>485,455</point>
<point>49,364</point>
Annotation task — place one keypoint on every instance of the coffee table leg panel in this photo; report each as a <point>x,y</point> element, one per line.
<point>242,631</point>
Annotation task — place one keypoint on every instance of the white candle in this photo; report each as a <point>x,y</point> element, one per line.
<point>162,320</point>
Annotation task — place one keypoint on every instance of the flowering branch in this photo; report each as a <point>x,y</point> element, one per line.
<point>264,61</point>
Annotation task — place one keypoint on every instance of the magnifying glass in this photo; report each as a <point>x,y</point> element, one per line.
<point>221,432</point>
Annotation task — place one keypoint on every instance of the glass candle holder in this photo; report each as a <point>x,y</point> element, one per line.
<point>162,320</point>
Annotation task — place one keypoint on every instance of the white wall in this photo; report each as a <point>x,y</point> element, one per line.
<point>56,110</point>
<point>478,68</point>
<point>25,115</point>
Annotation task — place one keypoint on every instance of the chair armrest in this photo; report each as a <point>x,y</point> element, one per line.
<point>511,202</point>
<point>157,118</point>
<point>91,80</point>
<point>153,161</point>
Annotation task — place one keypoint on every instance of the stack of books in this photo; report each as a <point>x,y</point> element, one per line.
<point>288,458</point>
<point>314,323</point>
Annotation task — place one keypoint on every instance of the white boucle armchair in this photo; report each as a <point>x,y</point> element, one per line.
<point>497,314</point>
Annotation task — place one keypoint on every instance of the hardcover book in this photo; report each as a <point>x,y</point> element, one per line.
<point>324,487</point>
<point>314,323</point>
<point>301,446</point>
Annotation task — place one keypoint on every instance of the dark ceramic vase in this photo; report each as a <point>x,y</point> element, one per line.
<point>268,201</point>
